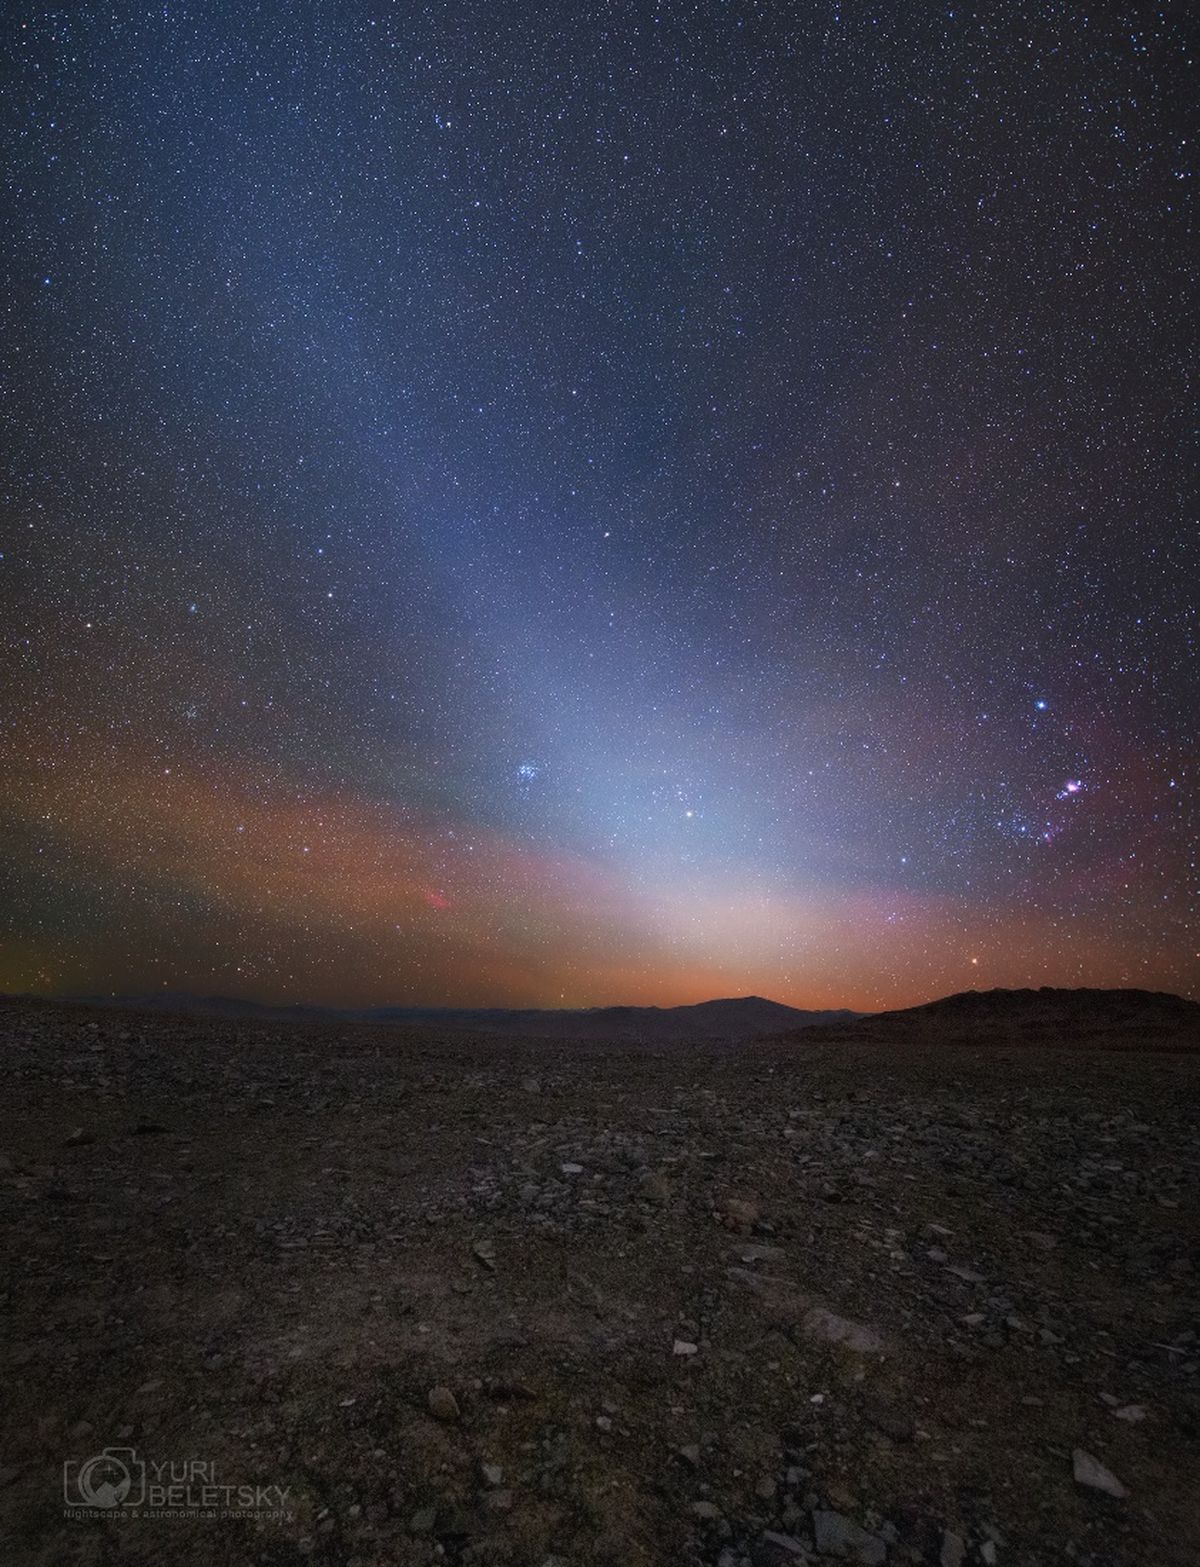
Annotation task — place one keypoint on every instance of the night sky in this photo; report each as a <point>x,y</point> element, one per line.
<point>566,504</point>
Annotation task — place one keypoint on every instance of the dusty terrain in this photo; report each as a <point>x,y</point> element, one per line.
<point>480,1301</point>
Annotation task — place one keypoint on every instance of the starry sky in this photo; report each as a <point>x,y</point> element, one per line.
<point>554,504</point>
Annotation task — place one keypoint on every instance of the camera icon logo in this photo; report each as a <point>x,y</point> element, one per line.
<point>110,1479</point>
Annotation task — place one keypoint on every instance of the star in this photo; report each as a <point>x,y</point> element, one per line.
<point>558,470</point>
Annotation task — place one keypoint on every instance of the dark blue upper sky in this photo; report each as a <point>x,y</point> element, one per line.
<point>539,502</point>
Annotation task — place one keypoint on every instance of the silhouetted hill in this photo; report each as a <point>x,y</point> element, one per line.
<point>1050,1002</point>
<point>1118,1019</point>
<point>739,1018</point>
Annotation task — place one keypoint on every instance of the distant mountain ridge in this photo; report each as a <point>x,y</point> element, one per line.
<point>1049,1004</point>
<point>734,1018</point>
<point>742,1017</point>
<point>1122,1019</point>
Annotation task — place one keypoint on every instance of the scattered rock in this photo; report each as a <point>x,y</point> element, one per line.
<point>836,1535</point>
<point>791,1308</point>
<point>443,1405</point>
<point>1090,1472</point>
<point>829,1328</point>
<point>302,1310</point>
<point>967,1275</point>
<point>954,1550</point>
<point>779,1550</point>
<point>739,1212</point>
<point>752,1254</point>
<point>652,1188</point>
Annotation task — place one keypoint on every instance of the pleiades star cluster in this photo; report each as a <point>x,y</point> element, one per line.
<point>560,504</point>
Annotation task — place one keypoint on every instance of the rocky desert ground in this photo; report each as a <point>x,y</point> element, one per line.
<point>281,1294</point>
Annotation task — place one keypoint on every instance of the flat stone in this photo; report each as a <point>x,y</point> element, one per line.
<point>779,1550</point>
<point>790,1307</point>
<point>485,1254</point>
<point>827,1327</point>
<point>837,1535</point>
<point>752,1254</point>
<point>785,1542</point>
<point>954,1550</point>
<point>1090,1472</point>
<point>967,1275</point>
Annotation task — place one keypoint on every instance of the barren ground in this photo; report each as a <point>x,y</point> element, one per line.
<point>693,1305</point>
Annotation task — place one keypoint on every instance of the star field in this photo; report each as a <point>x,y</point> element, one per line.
<point>564,505</point>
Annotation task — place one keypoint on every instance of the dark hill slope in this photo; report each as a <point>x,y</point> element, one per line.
<point>1118,1019</point>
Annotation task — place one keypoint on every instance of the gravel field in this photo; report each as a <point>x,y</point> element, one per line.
<point>546,1304</point>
